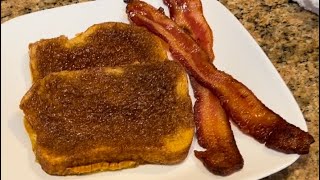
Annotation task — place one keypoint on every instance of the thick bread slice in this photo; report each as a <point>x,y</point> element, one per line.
<point>110,118</point>
<point>101,45</point>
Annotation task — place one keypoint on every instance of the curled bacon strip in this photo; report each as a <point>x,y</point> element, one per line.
<point>214,133</point>
<point>213,129</point>
<point>188,14</point>
<point>245,109</point>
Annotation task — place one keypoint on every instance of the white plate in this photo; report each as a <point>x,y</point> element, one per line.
<point>236,53</point>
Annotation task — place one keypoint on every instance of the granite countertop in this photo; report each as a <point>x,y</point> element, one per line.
<point>288,35</point>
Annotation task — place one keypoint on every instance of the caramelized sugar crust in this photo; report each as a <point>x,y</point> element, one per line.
<point>132,106</point>
<point>101,45</point>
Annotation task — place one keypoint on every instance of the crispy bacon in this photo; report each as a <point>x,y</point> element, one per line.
<point>222,156</point>
<point>214,133</point>
<point>188,14</point>
<point>245,109</point>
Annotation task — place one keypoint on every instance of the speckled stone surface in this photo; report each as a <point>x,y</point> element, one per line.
<point>289,36</point>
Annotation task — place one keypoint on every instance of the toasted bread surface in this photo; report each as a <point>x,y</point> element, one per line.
<point>110,118</point>
<point>82,169</point>
<point>105,44</point>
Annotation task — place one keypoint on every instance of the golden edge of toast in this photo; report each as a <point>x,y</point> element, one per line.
<point>175,148</point>
<point>176,156</point>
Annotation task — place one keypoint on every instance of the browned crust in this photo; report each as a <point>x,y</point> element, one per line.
<point>61,170</point>
<point>75,146</point>
<point>81,169</point>
<point>101,45</point>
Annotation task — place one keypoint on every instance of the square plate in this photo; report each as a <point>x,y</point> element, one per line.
<point>236,53</point>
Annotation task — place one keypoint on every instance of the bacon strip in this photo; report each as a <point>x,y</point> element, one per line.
<point>214,133</point>
<point>188,14</point>
<point>246,110</point>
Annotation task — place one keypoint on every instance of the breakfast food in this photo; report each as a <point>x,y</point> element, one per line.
<point>109,118</point>
<point>244,108</point>
<point>106,100</point>
<point>222,156</point>
<point>188,15</point>
<point>101,45</point>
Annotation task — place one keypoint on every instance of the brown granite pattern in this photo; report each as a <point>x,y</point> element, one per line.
<point>289,36</point>
<point>14,8</point>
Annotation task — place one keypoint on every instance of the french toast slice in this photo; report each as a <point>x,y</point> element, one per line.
<point>109,118</point>
<point>101,45</point>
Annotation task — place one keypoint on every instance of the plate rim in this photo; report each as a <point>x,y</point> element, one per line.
<point>257,47</point>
